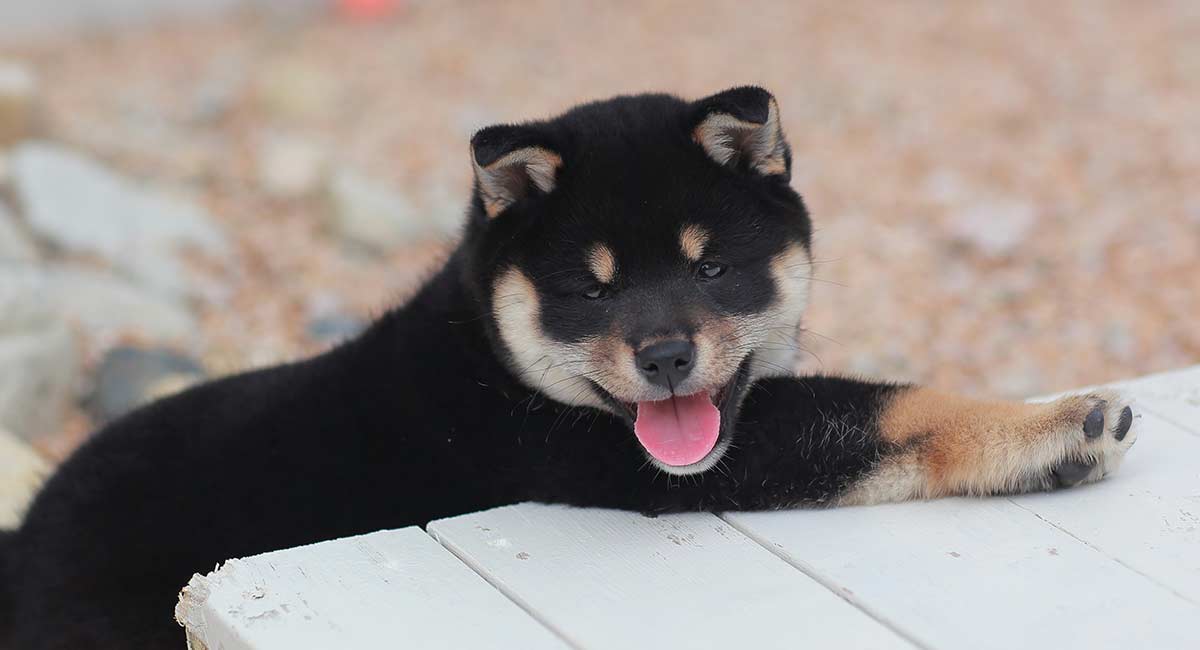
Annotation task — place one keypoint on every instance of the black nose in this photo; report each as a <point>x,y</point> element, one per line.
<point>666,363</point>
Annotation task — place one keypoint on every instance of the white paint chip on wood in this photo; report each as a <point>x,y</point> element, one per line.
<point>390,589</point>
<point>612,579</point>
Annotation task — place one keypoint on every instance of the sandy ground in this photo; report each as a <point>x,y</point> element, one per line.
<point>1007,195</point>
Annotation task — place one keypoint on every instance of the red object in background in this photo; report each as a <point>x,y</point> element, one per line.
<point>368,9</point>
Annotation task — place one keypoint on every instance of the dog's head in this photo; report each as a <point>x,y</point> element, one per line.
<point>644,255</point>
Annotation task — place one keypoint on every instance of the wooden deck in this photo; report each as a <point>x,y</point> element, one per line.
<point>1111,565</point>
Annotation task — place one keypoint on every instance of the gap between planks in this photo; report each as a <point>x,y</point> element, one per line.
<point>1106,554</point>
<point>621,580</point>
<point>828,583</point>
<point>493,581</point>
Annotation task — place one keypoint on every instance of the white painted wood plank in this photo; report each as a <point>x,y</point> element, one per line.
<point>978,573</point>
<point>1147,515</point>
<point>611,579</point>
<point>1174,396</point>
<point>390,589</point>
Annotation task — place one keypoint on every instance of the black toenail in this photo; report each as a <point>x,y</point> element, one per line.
<point>1123,424</point>
<point>1071,472</point>
<point>1093,424</point>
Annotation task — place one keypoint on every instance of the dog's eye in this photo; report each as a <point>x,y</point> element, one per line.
<point>710,270</point>
<point>595,292</point>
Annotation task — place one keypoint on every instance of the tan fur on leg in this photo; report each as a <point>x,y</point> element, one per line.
<point>954,445</point>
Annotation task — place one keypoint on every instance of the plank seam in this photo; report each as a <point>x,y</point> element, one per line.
<point>1163,416</point>
<point>507,593</point>
<point>1130,387</point>
<point>830,585</point>
<point>1106,555</point>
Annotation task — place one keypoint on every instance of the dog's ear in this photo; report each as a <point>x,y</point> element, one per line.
<point>740,128</point>
<point>511,163</point>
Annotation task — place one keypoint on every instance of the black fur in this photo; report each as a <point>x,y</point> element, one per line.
<point>423,417</point>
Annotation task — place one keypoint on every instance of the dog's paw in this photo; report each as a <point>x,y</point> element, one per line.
<point>1098,429</point>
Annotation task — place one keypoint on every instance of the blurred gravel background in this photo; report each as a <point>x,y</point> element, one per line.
<point>1007,195</point>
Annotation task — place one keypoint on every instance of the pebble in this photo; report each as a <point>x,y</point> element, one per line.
<point>335,328</point>
<point>22,471</point>
<point>289,167</point>
<point>292,88</point>
<point>18,102</point>
<point>40,364</point>
<point>329,322</point>
<point>106,306</point>
<point>15,245</point>
<point>217,90</point>
<point>995,228</point>
<point>129,377</point>
<point>447,209</point>
<point>138,231</point>
<point>367,214</point>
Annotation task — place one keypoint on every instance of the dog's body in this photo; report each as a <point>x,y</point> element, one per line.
<point>635,264</point>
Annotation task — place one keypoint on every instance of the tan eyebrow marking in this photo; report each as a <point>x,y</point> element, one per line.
<point>602,263</point>
<point>692,240</point>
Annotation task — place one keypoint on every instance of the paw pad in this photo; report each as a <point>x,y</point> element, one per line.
<point>1093,425</point>
<point>1123,423</point>
<point>1094,455</point>
<point>1072,472</point>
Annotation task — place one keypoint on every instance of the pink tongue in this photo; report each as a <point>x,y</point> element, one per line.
<point>680,430</point>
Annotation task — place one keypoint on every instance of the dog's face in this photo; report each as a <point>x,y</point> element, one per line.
<point>645,256</point>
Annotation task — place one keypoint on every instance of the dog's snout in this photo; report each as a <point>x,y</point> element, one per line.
<point>666,363</point>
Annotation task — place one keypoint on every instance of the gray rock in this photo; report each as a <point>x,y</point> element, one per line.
<point>329,322</point>
<point>335,328</point>
<point>39,367</point>
<point>995,228</point>
<point>129,377</point>
<point>946,186</point>
<point>15,245</point>
<point>81,206</point>
<point>103,304</point>
<point>217,90</point>
<point>18,100</point>
<point>446,210</point>
<point>368,214</point>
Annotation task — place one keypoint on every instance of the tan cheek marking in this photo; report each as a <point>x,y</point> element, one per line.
<point>972,445</point>
<point>777,346</point>
<point>602,263</point>
<point>540,363</point>
<point>692,241</point>
<point>516,308</point>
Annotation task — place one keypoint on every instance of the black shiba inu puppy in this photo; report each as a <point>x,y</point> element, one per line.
<point>623,309</point>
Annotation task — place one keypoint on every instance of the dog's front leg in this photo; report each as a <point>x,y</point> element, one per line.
<point>864,443</point>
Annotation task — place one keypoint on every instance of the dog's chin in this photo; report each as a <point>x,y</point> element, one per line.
<point>727,398</point>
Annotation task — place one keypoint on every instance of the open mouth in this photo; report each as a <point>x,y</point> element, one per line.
<point>681,430</point>
<point>684,430</point>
